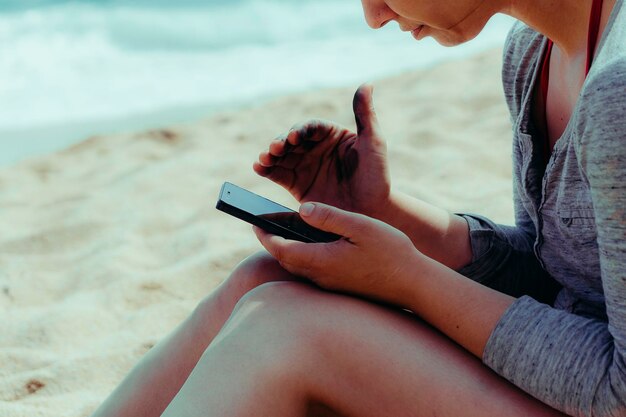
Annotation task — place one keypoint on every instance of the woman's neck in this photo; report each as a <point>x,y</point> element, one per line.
<point>565,22</point>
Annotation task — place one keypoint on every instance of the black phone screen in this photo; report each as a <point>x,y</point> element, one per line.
<point>269,215</point>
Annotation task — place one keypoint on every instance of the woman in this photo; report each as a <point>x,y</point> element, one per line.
<point>395,318</point>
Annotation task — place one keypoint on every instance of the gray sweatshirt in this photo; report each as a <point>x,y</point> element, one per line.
<point>564,339</point>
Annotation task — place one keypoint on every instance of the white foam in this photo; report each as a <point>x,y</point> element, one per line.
<point>77,63</point>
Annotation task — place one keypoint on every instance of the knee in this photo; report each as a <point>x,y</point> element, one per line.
<point>255,270</point>
<point>275,323</point>
<point>277,299</point>
<point>250,273</point>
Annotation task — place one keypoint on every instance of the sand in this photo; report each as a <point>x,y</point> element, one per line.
<point>107,245</point>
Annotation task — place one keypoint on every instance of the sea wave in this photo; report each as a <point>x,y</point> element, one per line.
<point>68,62</point>
<point>206,27</point>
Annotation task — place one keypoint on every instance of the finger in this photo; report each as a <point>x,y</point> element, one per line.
<point>282,148</point>
<point>364,113</point>
<point>298,255</point>
<point>292,136</point>
<point>334,220</point>
<point>277,147</point>
<point>266,159</point>
<point>277,174</point>
<point>313,130</point>
<point>273,243</point>
<point>261,170</point>
<point>297,161</point>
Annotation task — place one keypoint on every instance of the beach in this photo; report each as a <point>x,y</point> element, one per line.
<point>107,245</point>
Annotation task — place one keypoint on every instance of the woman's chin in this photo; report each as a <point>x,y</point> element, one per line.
<point>450,39</point>
<point>449,42</point>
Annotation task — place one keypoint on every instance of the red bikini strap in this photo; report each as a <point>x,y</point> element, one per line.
<point>594,29</point>
<point>592,40</point>
<point>544,81</point>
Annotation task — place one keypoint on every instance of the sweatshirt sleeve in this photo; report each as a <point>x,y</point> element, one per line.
<point>573,363</point>
<point>503,256</point>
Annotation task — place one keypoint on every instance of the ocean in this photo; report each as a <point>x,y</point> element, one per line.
<point>71,69</point>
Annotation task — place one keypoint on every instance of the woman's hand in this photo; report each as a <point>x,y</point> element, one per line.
<point>378,262</point>
<point>373,260</point>
<point>321,161</point>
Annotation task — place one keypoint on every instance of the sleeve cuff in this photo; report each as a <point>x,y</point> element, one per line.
<point>489,252</point>
<point>555,356</point>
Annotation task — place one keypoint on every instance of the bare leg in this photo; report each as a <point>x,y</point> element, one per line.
<point>288,344</point>
<point>156,379</point>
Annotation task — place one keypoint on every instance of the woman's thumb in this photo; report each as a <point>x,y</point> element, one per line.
<point>363,106</point>
<point>331,219</point>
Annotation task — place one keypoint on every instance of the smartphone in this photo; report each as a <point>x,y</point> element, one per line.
<point>268,215</point>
